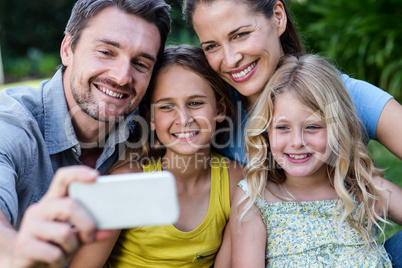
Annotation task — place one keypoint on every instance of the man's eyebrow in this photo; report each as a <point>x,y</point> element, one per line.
<point>118,45</point>
<point>229,34</point>
<point>110,42</point>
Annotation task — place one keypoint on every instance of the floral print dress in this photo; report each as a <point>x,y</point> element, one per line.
<point>306,234</point>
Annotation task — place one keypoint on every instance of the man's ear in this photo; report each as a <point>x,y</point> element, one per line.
<point>66,52</point>
<point>280,17</point>
<point>221,111</point>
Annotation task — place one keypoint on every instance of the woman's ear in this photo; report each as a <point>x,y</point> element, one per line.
<point>66,52</point>
<point>221,110</point>
<point>280,18</point>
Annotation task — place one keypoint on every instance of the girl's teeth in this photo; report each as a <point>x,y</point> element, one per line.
<point>111,93</point>
<point>185,135</point>
<point>244,72</point>
<point>299,156</point>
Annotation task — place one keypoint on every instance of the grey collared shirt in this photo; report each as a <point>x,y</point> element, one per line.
<point>37,138</point>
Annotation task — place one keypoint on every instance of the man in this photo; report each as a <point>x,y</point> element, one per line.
<point>78,117</point>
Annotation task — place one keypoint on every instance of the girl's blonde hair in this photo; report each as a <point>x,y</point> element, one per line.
<point>316,84</point>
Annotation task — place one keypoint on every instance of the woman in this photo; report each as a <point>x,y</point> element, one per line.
<point>243,41</point>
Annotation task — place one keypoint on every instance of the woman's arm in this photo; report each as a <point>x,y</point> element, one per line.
<point>248,238</point>
<point>392,196</point>
<point>389,127</point>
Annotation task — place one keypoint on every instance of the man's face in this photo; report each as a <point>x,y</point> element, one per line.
<point>110,68</point>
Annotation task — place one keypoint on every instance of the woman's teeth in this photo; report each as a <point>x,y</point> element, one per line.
<point>244,72</point>
<point>185,135</point>
<point>111,93</point>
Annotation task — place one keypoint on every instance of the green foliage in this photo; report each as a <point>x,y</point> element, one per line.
<point>363,37</point>
<point>181,32</point>
<point>30,36</point>
<point>35,64</point>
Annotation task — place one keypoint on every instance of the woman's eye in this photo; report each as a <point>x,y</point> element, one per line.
<point>209,47</point>
<point>240,35</point>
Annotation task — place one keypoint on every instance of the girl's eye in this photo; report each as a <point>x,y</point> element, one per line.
<point>195,103</point>
<point>280,127</point>
<point>313,127</point>
<point>166,107</point>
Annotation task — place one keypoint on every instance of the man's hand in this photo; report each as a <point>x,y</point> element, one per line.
<point>53,229</point>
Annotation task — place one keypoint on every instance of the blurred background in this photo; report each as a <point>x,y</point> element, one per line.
<point>363,38</point>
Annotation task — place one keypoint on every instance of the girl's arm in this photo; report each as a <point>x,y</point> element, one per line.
<point>389,127</point>
<point>392,197</point>
<point>248,238</point>
<point>223,258</point>
<point>95,255</point>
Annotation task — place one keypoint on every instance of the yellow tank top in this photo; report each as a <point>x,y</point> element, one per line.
<point>166,246</point>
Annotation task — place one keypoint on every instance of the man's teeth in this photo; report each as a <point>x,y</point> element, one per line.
<point>298,156</point>
<point>244,72</point>
<point>185,135</point>
<point>111,93</point>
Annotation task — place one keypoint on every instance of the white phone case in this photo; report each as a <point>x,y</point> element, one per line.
<point>129,200</point>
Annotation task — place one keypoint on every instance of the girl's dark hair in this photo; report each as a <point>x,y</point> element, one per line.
<point>290,39</point>
<point>193,59</point>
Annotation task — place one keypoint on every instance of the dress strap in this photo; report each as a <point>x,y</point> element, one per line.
<point>260,202</point>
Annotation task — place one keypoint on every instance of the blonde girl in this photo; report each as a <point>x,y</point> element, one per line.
<point>312,196</point>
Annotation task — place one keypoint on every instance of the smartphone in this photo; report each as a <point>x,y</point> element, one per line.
<point>129,200</point>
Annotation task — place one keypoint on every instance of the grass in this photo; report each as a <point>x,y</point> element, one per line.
<point>31,83</point>
<point>383,158</point>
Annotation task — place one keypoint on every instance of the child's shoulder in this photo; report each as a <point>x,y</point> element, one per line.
<point>235,170</point>
<point>132,167</point>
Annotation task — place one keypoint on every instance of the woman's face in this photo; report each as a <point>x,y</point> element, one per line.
<point>242,46</point>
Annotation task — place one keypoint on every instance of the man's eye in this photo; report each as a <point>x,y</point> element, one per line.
<point>141,66</point>
<point>105,52</point>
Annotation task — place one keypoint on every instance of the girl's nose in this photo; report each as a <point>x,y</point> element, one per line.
<point>297,139</point>
<point>184,117</point>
